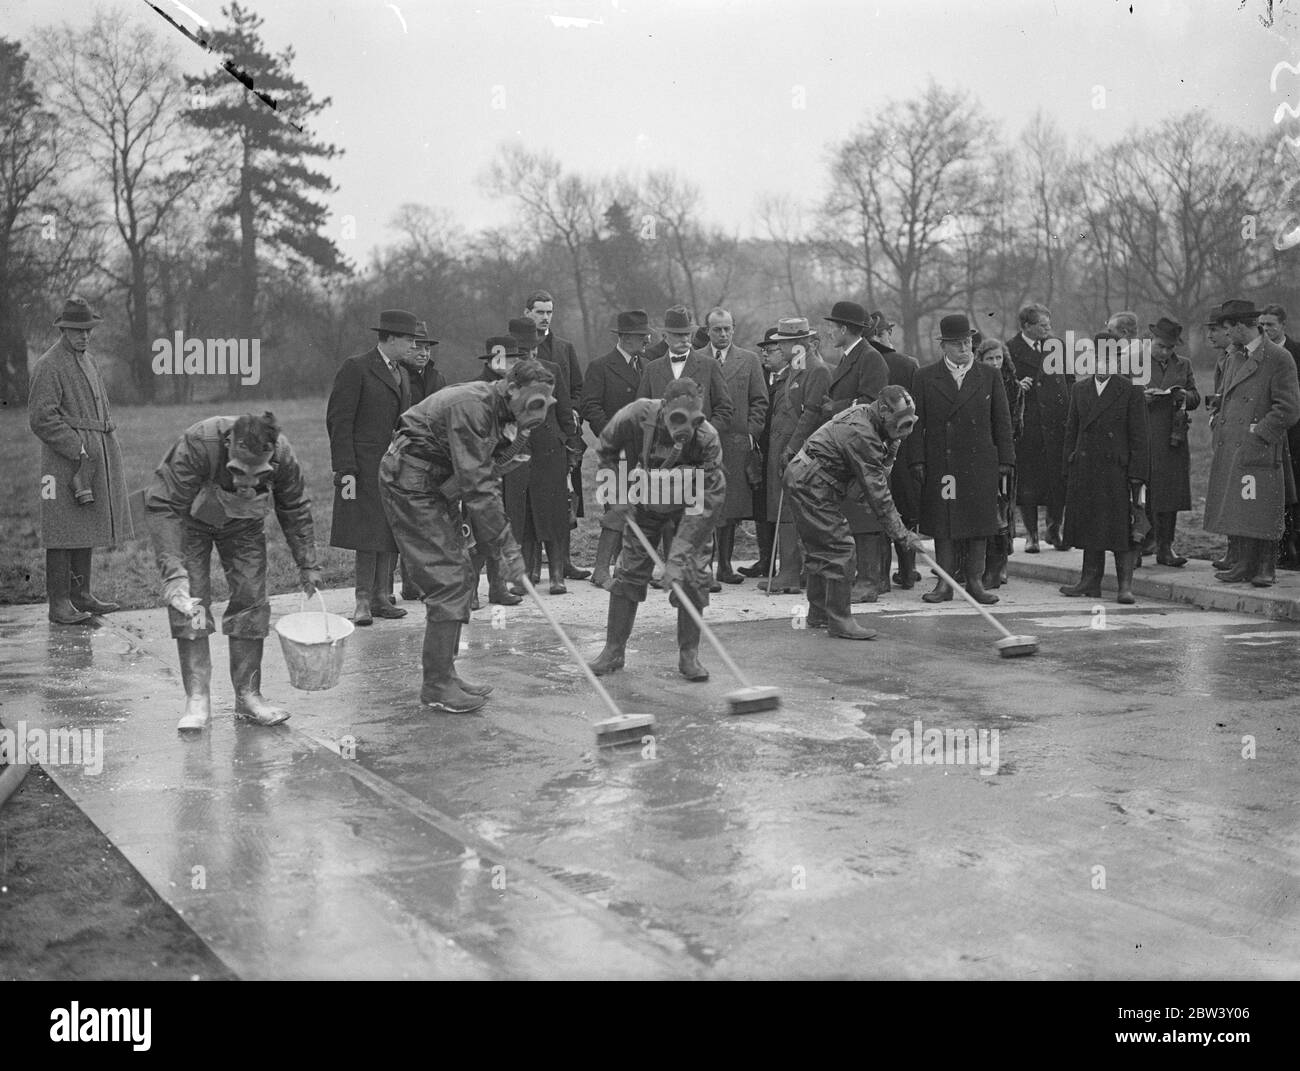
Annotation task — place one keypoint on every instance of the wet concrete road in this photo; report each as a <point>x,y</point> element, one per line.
<point>1116,831</point>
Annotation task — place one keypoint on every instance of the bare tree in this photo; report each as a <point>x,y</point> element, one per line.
<point>784,222</point>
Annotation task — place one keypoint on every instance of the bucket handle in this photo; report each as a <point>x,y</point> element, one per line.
<point>324,612</point>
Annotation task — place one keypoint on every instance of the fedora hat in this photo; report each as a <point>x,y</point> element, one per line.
<point>525,333</point>
<point>679,319</point>
<point>849,312</point>
<point>1168,331</point>
<point>793,329</point>
<point>506,342</point>
<point>78,313</point>
<point>769,338</point>
<point>398,322</point>
<point>633,322</point>
<point>1236,309</point>
<point>424,335</point>
<point>1212,317</point>
<point>954,328</point>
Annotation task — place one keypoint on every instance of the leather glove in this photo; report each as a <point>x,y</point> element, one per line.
<point>309,579</point>
<point>512,565</point>
<point>176,593</point>
<point>918,473</point>
<point>1006,470</point>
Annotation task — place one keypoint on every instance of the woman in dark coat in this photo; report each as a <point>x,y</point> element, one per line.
<point>1105,462</point>
<point>1170,396</point>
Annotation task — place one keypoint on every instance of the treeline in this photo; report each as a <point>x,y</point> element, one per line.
<point>187,204</point>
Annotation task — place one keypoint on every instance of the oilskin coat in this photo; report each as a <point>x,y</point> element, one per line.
<point>364,407</point>
<point>848,458</point>
<point>1170,489</point>
<point>961,436</point>
<point>444,457</point>
<point>626,435</point>
<point>1039,481</point>
<point>194,470</point>
<point>1251,480</point>
<point>67,409</point>
<point>1105,447</point>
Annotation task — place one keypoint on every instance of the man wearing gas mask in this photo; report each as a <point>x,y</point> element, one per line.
<point>850,457</point>
<point>215,487</point>
<point>656,437</point>
<point>449,454</point>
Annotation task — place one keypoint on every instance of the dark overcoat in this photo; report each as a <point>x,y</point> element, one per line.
<point>718,406</point>
<point>560,351</point>
<point>609,385</point>
<point>902,484</point>
<point>1105,447</point>
<point>782,419</point>
<point>1292,346</point>
<point>428,381</point>
<point>363,411</point>
<point>1251,479</point>
<point>67,409</point>
<point>961,436</point>
<point>743,375</point>
<point>1039,481</point>
<point>537,491</point>
<point>860,376</point>
<point>1170,489</point>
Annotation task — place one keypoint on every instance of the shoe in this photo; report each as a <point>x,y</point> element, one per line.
<point>58,585</point>
<point>1229,556</point>
<point>410,594</point>
<point>79,584</point>
<point>688,647</point>
<point>840,623</point>
<point>361,615</point>
<point>817,617</point>
<point>1246,563</point>
<point>440,689</point>
<point>474,604</point>
<point>941,593</point>
<point>196,675</point>
<point>759,568</point>
<point>777,589</point>
<point>381,607</point>
<point>246,676</point>
<point>570,573</point>
<point>618,627</point>
<point>730,577</point>
<point>714,587</point>
<point>976,560</point>
<point>558,588</point>
<point>1165,555</point>
<point>907,576</point>
<point>1124,564</point>
<point>1266,559</point>
<point>1089,584</point>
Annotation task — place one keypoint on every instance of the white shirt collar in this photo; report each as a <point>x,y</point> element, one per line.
<point>1254,343</point>
<point>958,371</point>
<point>1100,384</point>
<point>1031,343</point>
<point>626,356</point>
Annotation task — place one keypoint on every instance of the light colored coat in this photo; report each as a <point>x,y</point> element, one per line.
<point>67,409</point>
<point>743,375</point>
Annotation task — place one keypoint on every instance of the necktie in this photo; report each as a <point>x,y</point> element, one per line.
<point>720,356</point>
<point>636,365</point>
<point>392,371</point>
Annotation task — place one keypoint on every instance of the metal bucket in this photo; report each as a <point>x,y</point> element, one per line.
<point>313,645</point>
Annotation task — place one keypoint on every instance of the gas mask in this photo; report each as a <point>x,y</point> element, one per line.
<point>898,421</point>
<point>247,470</point>
<point>682,416</point>
<point>530,404</point>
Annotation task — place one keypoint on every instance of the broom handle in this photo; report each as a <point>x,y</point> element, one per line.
<point>964,593</point>
<point>776,541</point>
<point>568,644</point>
<point>689,606</point>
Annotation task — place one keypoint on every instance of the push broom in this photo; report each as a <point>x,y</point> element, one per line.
<point>1009,646</point>
<point>620,728</point>
<point>748,698</point>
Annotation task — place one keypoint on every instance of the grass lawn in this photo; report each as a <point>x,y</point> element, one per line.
<point>128,575</point>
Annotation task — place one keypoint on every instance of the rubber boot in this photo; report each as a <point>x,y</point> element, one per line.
<point>465,686</point>
<point>1230,555</point>
<point>867,586</point>
<point>840,623</point>
<point>945,554</point>
<point>441,690</point>
<point>1029,514</point>
<point>1165,554</point>
<point>995,558</point>
<point>196,675</point>
<point>886,562</point>
<point>1054,527</point>
<point>555,567</point>
<point>787,579</point>
<point>976,563</point>
<point>764,531</point>
<point>618,627</point>
<point>79,584</point>
<point>907,576</point>
<point>246,676</point>
<point>570,572</point>
<point>726,543</point>
<point>58,586</point>
<point>498,593</point>
<point>409,591</point>
<point>608,546</point>
<point>1266,563</point>
<point>365,587</point>
<point>1244,565</point>
<point>817,614</point>
<point>1094,564</point>
<point>688,647</point>
<point>1124,562</point>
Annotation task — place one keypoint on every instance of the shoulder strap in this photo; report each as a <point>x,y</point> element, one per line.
<point>647,438</point>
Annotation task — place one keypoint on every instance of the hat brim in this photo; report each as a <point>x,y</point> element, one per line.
<point>428,341</point>
<point>788,338</point>
<point>396,331</point>
<point>954,338</point>
<point>847,323</point>
<point>81,323</point>
<point>635,331</point>
<point>489,356</point>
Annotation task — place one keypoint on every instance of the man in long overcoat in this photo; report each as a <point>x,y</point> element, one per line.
<point>371,392</point>
<point>1170,396</point>
<point>612,381</point>
<point>1251,480</point>
<point>902,484</point>
<point>1105,459</point>
<point>960,448</point>
<point>1039,481</point>
<point>774,380</point>
<point>83,493</point>
<point>425,378</point>
<point>744,379</point>
<point>1272,323</point>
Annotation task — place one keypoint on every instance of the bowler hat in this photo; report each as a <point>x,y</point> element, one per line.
<point>1236,309</point>
<point>525,333</point>
<point>424,336</point>
<point>505,345</point>
<point>793,329</point>
<point>1168,331</point>
<point>78,313</point>
<point>398,322</point>
<point>849,312</point>
<point>634,322</point>
<point>954,328</point>
<point>679,319</point>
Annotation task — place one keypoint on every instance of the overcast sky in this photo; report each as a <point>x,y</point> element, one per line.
<point>424,91</point>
